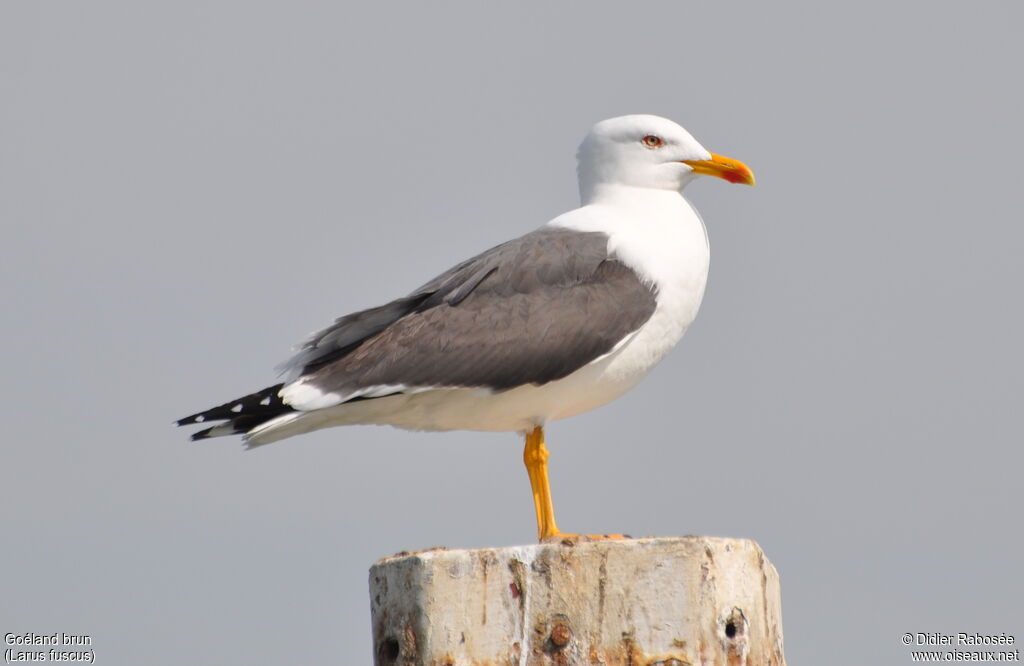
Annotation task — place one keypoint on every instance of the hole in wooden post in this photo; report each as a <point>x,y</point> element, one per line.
<point>734,628</point>
<point>389,650</point>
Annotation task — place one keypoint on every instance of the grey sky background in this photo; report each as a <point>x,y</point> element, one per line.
<point>189,188</point>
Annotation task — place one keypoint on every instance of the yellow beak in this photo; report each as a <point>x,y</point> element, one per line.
<point>731,170</point>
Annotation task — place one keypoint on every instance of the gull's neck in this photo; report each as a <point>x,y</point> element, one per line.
<point>627,210</point>
<point>630,196</point>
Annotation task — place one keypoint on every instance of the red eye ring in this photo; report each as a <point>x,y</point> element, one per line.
<point>652,141</point>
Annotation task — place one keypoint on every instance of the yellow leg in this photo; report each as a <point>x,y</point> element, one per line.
<point>535,456</point>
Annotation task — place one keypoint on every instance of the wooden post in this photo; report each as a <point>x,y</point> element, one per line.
<point>691,601</point>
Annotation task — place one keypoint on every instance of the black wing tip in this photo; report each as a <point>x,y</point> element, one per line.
<point>238,416</point>
<point>265,402</point>
<point>190,420</point>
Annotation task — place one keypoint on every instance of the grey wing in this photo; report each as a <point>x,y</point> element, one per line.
<point>349,332</point>
<point>529,311</point>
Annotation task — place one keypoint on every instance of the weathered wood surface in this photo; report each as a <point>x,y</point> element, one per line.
<point>697,601</point>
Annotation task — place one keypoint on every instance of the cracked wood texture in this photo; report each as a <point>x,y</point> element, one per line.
<point>690,601</point>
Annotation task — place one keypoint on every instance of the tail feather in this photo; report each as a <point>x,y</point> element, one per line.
<point>241,415</point>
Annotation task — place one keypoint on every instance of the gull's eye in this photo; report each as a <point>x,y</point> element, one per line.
<point>652,141</point>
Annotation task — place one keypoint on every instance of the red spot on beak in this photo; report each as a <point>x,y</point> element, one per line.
<point>729,170</point>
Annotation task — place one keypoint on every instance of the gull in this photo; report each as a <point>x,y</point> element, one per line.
<point>554,323</point>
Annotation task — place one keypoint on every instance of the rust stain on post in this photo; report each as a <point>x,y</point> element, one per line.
<point>560,636</point>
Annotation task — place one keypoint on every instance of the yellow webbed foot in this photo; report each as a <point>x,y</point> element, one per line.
<point>572,539</point>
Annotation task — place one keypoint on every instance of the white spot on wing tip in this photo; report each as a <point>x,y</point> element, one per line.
<point>237,408</point>
<point>200,418</point>
<point>265,401</point>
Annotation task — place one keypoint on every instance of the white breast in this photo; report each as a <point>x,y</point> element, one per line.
<point>662,237</point>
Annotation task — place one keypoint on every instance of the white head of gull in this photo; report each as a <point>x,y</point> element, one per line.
<point>647,151</point>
